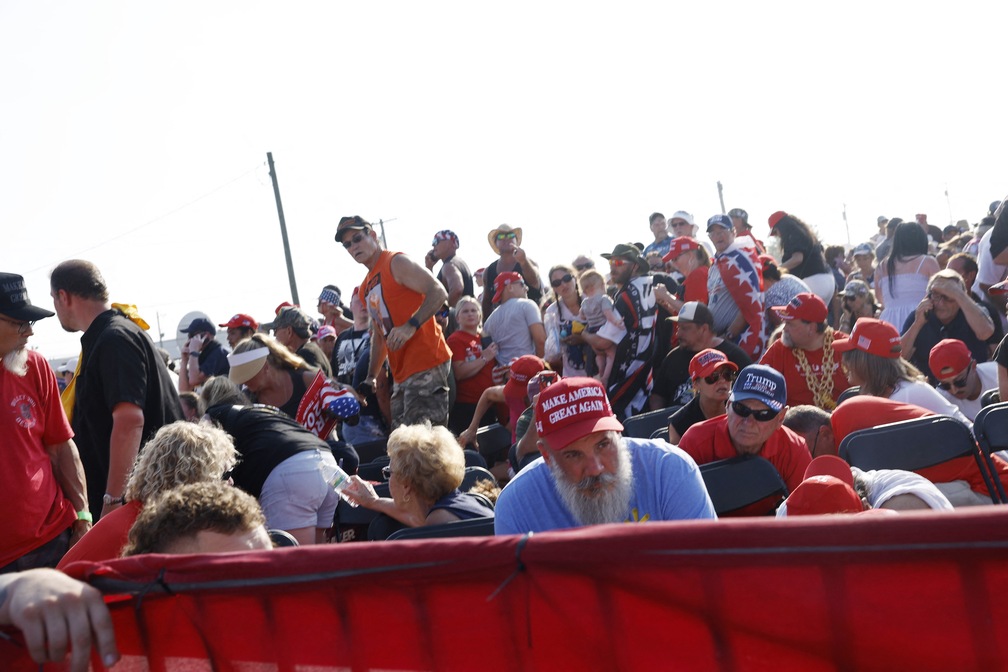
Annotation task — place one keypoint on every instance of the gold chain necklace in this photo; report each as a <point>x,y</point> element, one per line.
<point>822,389</point>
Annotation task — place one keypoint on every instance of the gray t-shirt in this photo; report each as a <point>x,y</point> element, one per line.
<point>509,325</point>
<point>593,309</point>
<point>720,301</point>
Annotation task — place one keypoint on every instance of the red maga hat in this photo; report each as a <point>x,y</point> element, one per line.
<point>522,369</point>
<point>872,336</point>
<point>573,408</point>
<point>820,495</point>
<point>949,357</point>
<point>241,320</point>
<point>707,361</point>
<point>502,281</point>
<point>680,245</point>
<point>805,306</point>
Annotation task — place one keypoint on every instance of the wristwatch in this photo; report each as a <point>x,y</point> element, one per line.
<point>109,499</point>
<point>413,322</point>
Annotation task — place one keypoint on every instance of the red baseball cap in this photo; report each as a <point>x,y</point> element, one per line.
<point>820,495</point>
<point>241,320</point>
<point>776,217</point>
<point>571,409</point>
<point>522,369</point>
<point>949,357</point>
<point>285,304</point>
<point>805,306</point>
<point>502,281</point>
<point>829,465</point>
<point>680,245</point>
<point>707,361</point>
<point>872,336</point>
<point>998,289</point>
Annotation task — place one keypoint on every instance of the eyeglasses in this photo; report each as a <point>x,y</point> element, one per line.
<point>353,241</point>
<point>958,383</point>
<point>386,472</point>
<point>505,236</point>
<point>585,267</point>
<point>441,314</point>
<point>566,278</point>
<point>618,262</point>
<point>938,298</point>
<point>23,327</point>
<point>727,374</point>
<point>744,411</point>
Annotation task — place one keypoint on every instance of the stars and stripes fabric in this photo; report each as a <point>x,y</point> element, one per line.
<point>742,275</point>
<point>321,395</point>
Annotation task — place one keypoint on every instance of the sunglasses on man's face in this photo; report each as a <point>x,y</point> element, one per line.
<point>505,236</point>
<point>617,262</point>
<point>744,411</point>
<point>958,383</point>
<point>357,237</point>
<point>559,281</point>
<point>585,267</point>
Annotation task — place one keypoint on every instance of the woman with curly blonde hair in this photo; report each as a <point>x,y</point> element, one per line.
<point>180,453</point>
<point>426,467</point>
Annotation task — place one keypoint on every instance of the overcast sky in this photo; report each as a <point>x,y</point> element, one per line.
<point>135,134</point>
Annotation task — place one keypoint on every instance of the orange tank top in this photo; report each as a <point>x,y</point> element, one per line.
<point>389,305</point>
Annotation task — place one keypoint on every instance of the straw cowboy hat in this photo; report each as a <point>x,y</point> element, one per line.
<point>504,228</point>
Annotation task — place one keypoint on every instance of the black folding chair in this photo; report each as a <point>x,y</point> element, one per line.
<point>643,425</point>
<point>474,474</point>
<point>372,471</point>
<point>660,434</point>
<point>494,442</point>
<point>990,427</point>
<point>848,393</point>
<point>351,523</point>
<point>737,482</point>
<point>477,527</point>
<point>382,526</point>
<point>912,445</point>
<point>367,452</point>
<point>474,459</point>
<point>990,397</point>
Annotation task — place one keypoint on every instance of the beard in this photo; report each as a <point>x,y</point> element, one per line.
<point>785,338</point>
<point>590,501</point>
<point>16,361</point>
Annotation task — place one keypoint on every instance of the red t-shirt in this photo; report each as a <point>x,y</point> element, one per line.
<point>709,441</point>
<point>780,357</point>
<point>35,510</point>
<point>862,412</point>
<point>467,347</point>
<point>695,285</point>
<point>107,538</point>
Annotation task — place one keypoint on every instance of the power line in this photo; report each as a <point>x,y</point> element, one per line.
<point>156,219</point>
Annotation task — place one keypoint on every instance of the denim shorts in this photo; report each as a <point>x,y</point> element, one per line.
<point>296,495</point>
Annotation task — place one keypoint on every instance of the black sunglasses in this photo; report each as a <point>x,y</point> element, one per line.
<point>566,278</point>
<point>585,267</point>
<point>728,375</point>
<point>958,383</point>
<point>357,237</point>
<point>744,411</point>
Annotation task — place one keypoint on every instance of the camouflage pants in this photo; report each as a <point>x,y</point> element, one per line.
<point>422,396</point>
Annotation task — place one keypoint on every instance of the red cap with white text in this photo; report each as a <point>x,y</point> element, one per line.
<point>573,408</point>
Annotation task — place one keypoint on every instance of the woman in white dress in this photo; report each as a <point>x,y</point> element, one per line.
<point>901,278</point>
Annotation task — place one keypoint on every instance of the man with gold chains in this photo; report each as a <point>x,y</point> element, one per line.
<point>804,354</point>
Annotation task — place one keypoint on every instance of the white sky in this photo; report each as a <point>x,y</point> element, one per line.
<point>572,120</point>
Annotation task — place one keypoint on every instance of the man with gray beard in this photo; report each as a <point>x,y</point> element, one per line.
<point>589,474</point>
<point>41,476</point>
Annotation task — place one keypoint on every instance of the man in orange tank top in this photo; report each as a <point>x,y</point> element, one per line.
<point>401,297</point>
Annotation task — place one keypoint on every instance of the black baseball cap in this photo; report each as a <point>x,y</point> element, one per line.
<point>14,301</point>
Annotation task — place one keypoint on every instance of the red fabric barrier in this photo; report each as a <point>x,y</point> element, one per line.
<point>920,591</point>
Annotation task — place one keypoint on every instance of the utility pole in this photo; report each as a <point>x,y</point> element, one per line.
<point>720,195</point>
<point>846,225</point>
<point>160,333</point>
<point>283,230</point>
<point>381,225</point>
<point>949,203</point>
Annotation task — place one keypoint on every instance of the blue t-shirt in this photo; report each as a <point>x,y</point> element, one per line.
<point>661,248</point>
<point>666,486</point>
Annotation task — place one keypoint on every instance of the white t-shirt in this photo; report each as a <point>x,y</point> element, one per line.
<point>989,273</point>
<point>988,381</point>
<point>925,396</point>
<point>884,484</point>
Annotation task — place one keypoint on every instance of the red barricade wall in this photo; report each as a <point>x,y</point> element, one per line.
<point>920,591</point>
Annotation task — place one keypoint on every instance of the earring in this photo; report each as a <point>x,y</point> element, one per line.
<point>406,498</point>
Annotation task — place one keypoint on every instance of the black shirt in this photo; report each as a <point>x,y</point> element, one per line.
<point>687,416</point>
<point>264,437</point>
<point>118,364</point>
<point>673,380</point>
<point>934,331</point>
<point>311,353</point>
<point>463,269</point>
<point>490,274</point>
<point>812,262</point>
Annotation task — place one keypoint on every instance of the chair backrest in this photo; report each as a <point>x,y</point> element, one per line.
<point>372,471</point>
<point>848,393</point>
<point>474,474</point>
<point>367,452</point>
<point>477,527</point>
<point>492,439</point>
<point>990,397</point>
<point>737,482</point>
<point>282,539</point>
<point>642,426</point>
<point>474,459</point>
<point>990,427</point>
<point>383,526</point>
<point>350,523</point>
<point>660,434</point>
<point>910,445</point>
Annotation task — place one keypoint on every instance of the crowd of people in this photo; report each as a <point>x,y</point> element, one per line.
<point>777,350</point>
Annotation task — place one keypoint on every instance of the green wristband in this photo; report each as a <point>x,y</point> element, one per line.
<point>85,515</point>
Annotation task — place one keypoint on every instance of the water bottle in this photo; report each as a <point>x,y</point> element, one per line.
<point>338,480</point>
